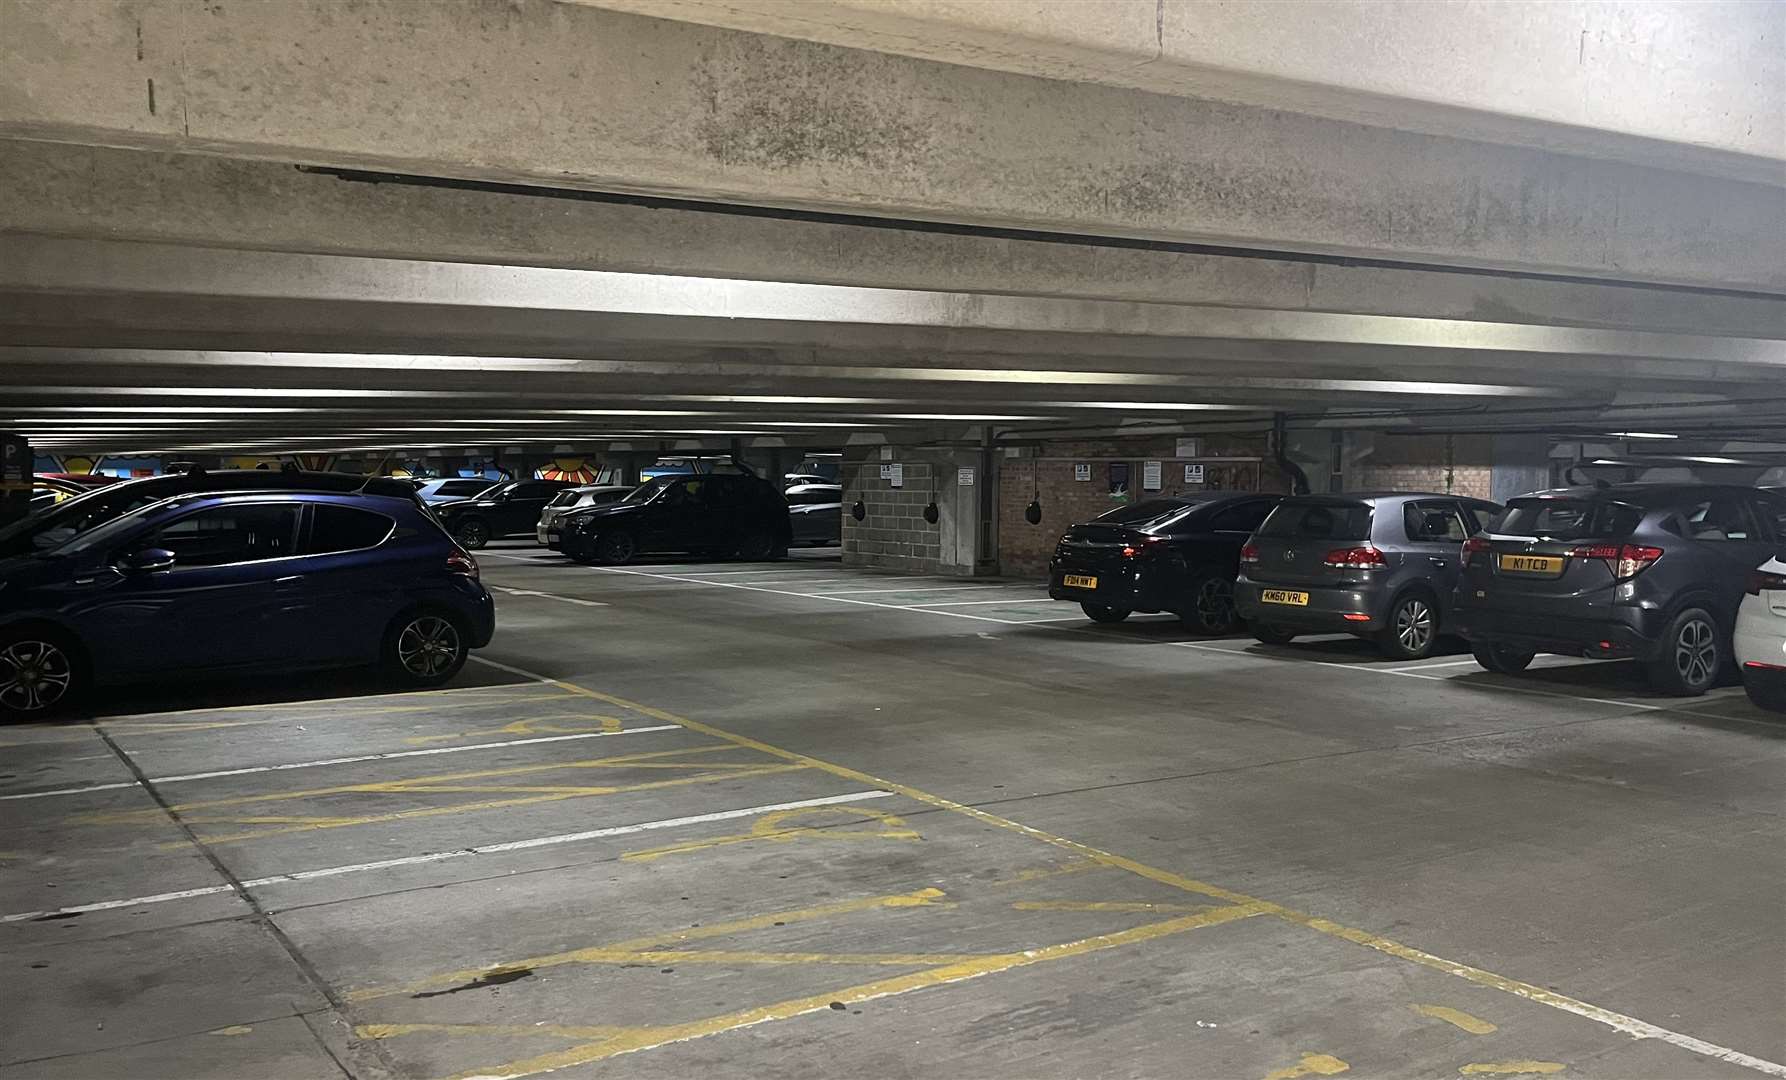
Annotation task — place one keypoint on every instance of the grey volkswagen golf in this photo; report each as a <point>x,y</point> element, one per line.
<point>1379,565</point>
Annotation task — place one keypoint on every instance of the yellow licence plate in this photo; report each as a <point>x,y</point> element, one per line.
<point>1532,564</point>
<point>1079,581</point>
<point>1281,596</point>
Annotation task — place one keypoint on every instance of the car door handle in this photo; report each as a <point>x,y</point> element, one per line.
<point>1436,561</point>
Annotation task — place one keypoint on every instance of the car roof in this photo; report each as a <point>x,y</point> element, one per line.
<point>1375,497</point>
<point>1640,492</point>
<point>605,487</point>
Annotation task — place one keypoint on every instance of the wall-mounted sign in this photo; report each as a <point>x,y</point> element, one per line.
<point>1188,447</point>
<point>886,472</point>
<point>1193,474</point>
<point>964,478</point>
<point>1150,476</point>
<point>898,475</point>
<point>886,453</point>
<point>1082,472</point>
<point>1119,479</point>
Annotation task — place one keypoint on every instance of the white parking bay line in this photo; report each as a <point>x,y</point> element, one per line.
<point>183,778</point>
<point>937,588</point>
<point>975,603</point>
<point>442,856</point>
<point>548,596</point>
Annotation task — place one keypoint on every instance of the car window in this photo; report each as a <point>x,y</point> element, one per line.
<point>814,498</point>
<point>1480,516</point>
<point>1434,522</point>
<point>1720,518</point>
<point>1242,517</point>
<point>222,535</point>
<point>565,497</point>
<point>1569,519</point>
<point>536,490</point>
<point>464,487</point>
<point>1773,510</point>
<point>725,490</point>
<point>682,492</point>
<point>343,528</point>
<point>603,498</point>
<point>1318,521</point>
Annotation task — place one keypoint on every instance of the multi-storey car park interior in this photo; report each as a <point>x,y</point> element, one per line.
<point>885,538</point>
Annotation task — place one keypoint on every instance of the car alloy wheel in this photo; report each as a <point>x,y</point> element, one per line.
<point>756,547</point>
<point>428,646</point>
<point>1696,653</point>
<point>1414,626</point>
<point>1214,604</point>
<point>34,675</point>
<point>472,534</point>
<point>615,547</point>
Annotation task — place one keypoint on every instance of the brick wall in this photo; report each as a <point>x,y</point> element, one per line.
<point>1424,463</point>
<point>1048,472</point>
<point>894,533</point>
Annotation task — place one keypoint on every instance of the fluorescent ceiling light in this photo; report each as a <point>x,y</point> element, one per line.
<point>1144,406</point>
<point>1642,435</point>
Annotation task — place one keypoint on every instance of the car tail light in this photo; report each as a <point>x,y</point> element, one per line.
<point>1760,582</point>
<point>1249,554</point>
<point>1624,560</point>
<point>1129,551</point>
<point>1356,558</point>
<point>461,563</point>
<point>1475,544</point>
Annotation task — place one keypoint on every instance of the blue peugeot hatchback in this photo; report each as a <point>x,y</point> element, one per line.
<point>237,582</point>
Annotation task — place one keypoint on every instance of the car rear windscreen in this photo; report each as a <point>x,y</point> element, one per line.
<point>1147,512</point>
<point>1569,519</point>
<point>1318,521</point>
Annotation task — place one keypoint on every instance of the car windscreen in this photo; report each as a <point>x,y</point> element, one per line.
<point>647,491</point>
<point>1146,515</point>
<point>1569,519</point>
<point>1318,521</point>
<point>57,524</point>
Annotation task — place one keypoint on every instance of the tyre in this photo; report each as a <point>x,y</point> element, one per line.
<point>1272,635</point>
<point>1104,613</point>
<point>1692,655</point>
<point>1767,694</point>
<point>472,534</point>
<point>615,548</point>
<point>1502,659</point>
<point>424,648</point>
<point>756,546</point>
<point>1211,608</point>
<point>39,674</point>
<point>1413,628</point>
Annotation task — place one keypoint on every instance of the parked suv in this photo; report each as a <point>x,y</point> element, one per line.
<point>1651,571</point>
<point>508,509</point>
<point>240,582</point>
<point>708,514</point>
<point>62,522</point>
<point>1379,566</point>
<point>1173,554</point>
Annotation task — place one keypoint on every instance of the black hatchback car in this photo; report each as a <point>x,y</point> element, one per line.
<point>238,582</point>
<point>1380,566</point>
<point>1650,571</point>
<point>1175,554</point>
<point>707,514</point>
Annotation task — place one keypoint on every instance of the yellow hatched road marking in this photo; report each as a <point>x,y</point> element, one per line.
<point>1472,1024</point>
<point>771,828</point>
<point>919,898</point>
<point>1512,1068</point>
<point>632,1039</point>
<point>556,795</point>
<point>1616,1021</point>
<point>1103,905</point>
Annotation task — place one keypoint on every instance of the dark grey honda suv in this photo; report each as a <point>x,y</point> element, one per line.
<point>1378,565</point>
<point>1651,571</point>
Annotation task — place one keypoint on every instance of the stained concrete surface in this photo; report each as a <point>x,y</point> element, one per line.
<point>670,886</point>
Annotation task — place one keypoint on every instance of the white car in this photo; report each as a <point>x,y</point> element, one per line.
<point>577,498</point>
<point>1761,635</point>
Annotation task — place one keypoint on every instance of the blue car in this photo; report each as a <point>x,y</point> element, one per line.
<point>237,582</point>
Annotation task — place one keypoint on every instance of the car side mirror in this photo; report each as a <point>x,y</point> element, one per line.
<point>149,560</point>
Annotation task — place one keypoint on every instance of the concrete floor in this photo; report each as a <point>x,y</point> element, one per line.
<point>800,821</point>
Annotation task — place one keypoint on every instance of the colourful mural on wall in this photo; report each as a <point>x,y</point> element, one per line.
<point>123,465</point>
<point>576,470</point>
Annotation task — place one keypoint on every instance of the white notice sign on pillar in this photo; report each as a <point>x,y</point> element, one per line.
<point>1150,476</point>
<point>898,476</point>
<point>1193,473</point>
<point>964,478</point>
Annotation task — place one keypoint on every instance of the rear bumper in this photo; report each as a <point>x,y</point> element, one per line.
<point>1324,613</point>
<point>1624,632</point>
<point>481,615</point>
<point>1129,588</point>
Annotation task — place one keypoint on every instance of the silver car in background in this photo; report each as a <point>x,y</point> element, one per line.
<point>577,498</point>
